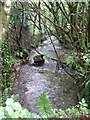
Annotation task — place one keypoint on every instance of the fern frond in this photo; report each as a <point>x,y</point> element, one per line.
<point>44,105</point>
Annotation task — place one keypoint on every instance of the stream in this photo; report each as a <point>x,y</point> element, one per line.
<point>59,87</point>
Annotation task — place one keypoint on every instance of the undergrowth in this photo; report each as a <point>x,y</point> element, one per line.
<point>80,62</point>
<point>13,109</point>
<point>7,60</point>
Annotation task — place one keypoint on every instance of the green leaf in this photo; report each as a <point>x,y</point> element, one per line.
<point>9,110</point>
<point>2,112</point>
<point>25,114</point>
<point>16,106</point>
<point>16,114</point>
<point>57,112</point>
<point>84,110</point>
<point>44,105</point>
<point>83,100</point>
<point>9,101</point>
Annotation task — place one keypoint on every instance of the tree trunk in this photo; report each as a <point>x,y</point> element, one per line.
<point>88,27</point>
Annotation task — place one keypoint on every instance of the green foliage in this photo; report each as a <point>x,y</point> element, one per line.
<point>44,105</point>
<point>81,63</point>
<point>67,21</point>
<point>84,73</point>
<point>86,59</point>
<point>81,108</point>
<point>84,64</point>
<point>75,111</point>
<point>13,109</point>
<point>4,96</point>
<point>23,54</point>
<point>7,61</point>
<point>71,60</point>
<point>85,90</point>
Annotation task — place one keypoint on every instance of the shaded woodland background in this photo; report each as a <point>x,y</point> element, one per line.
<point>27,24</point>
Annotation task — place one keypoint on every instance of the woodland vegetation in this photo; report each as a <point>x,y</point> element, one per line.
<point>69,22</point>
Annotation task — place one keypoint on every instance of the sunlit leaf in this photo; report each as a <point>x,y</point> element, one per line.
<point>9,101</point>
<point>10,110</point>
<point>16,106</point>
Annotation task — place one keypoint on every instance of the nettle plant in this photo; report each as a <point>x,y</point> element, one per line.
<point>13,109</point>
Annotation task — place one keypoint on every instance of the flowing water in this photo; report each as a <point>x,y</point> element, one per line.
<point>60,88</point>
